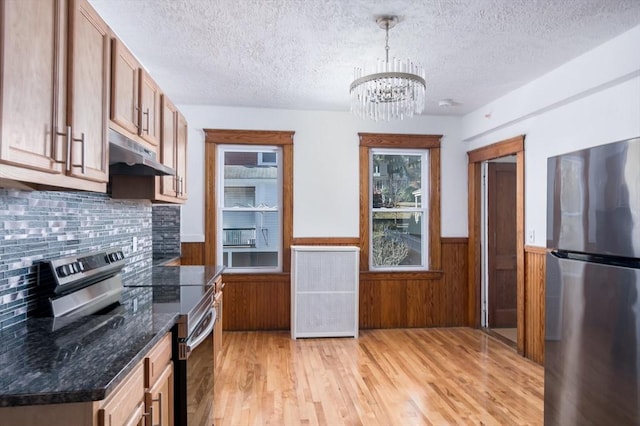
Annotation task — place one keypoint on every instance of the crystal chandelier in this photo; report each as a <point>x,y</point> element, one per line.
<point>393,90</point>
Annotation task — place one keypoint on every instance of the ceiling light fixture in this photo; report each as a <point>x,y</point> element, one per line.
<point>395,90</point>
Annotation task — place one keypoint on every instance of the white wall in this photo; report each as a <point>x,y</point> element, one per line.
<point>326,166</point>
<point>591,100</point>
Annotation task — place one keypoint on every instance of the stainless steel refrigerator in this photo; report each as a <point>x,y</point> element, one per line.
<point>592,326</point>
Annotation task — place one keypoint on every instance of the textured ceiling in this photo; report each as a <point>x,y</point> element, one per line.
<point>300,54</point>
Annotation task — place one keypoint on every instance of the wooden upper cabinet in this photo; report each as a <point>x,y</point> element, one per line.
<point>125,78</point>
<point>135,99</point>
<point>40,56</point>
<point>88,107</point>
<point>168,185</point>
<point>181,153</point>
<point>32,78</point>
<point>172,153</point>
<point>150,109</point>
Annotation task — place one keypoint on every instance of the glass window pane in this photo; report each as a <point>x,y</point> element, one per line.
<point>397,239</point>
<point>251,239</point>
<point>396,180</point>
<point>239,196</point>
<point>259,182</point>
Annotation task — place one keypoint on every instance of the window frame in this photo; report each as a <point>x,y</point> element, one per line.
<point>423,209</point>
<point>401,142</point>
<point>216,137</point>
<point>221,208</point>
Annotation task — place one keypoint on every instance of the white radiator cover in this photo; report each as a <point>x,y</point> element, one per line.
<point>324,291</point>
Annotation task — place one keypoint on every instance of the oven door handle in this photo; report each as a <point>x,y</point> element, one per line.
<point>194,341</point>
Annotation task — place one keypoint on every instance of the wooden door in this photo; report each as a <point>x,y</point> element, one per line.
<point>125,70</point>
<point>32,85</point>
<point>501,247</point>
<point>150,109</point>
<point>88,96</point>
<point>181,153</point>
<point>168,184</point>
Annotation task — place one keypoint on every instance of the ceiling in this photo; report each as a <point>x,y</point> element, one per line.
<point>300,54</point>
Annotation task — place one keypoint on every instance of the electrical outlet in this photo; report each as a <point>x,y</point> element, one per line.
<point>135,244</point>
<point>531,236</point>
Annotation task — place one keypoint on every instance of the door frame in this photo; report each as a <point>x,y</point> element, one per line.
<point>512,146</point>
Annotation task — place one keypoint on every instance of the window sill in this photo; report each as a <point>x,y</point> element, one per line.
<point>404,275</point>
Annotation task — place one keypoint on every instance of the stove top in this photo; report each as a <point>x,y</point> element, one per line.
<point>188,290</point>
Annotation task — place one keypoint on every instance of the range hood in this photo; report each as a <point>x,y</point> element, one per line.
<point>128,157</point>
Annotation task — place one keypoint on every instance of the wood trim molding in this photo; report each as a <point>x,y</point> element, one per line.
<point>364,208</point>
<point>402,141</point>
<point>215,137</point>
<point>536,249</point>
<point>210,204</point>
<point>454,240</point>
<point>255,278</point>
<point>326,241</point>
<point>248,137</point>
<point>423,276</point>
<point>435,249</point>
<point>405,141</point>
<point>512,146</point>
<point>500,149</point>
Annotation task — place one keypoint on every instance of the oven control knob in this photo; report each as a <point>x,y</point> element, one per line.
<point>80,267</point>
<point>62,271</point>
<point>65,270</point>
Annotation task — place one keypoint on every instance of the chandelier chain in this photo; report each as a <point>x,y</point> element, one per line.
<point>386,47</point>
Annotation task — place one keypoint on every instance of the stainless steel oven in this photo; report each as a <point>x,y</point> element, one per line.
<point>190,291</point>
<point>194,375</point>
<point>88,283</point>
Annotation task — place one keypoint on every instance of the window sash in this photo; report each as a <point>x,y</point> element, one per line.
<point>423,209</point>
<point>226,252</point>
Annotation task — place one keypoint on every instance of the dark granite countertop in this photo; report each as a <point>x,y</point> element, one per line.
<point>81,361</point>
<point>50,361</point>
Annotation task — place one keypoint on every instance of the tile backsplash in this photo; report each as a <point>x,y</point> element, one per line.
<point>37,225</point>
<point>166,230</point>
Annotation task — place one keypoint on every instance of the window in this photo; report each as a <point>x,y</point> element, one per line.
<point>249,215</point>
<point>398,228</point>
<point>399,202</point>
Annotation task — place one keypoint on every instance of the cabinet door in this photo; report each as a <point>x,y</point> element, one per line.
<point>169,184</point>
<point>88,96</point>
<point>181,153</point>
<point>32,84</point>
<point>125,70</point>
<point>159,399</point>
<point>126,405</point>
<point>217,332</point>
<point>150,109</point>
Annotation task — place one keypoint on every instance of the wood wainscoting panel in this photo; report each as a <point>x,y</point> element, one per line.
<point>192,254</point>
<point>256,302</point>
<point>535,269</point>
<point>387,299</point>
<point>429,299</point>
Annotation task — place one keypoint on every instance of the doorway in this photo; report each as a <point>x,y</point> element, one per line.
<point>513,146</point>
<point>499,254</point>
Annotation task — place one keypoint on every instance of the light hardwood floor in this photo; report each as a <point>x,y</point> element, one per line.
<point>434,376</point>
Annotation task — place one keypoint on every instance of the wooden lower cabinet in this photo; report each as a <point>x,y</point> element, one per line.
<point>217,331</point>
<point>126,405</point>
<point>158,400</point>
<point>143,398</point>
<point>158,376</point>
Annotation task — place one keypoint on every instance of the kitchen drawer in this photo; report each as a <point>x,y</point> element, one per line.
<point>157,360</point>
